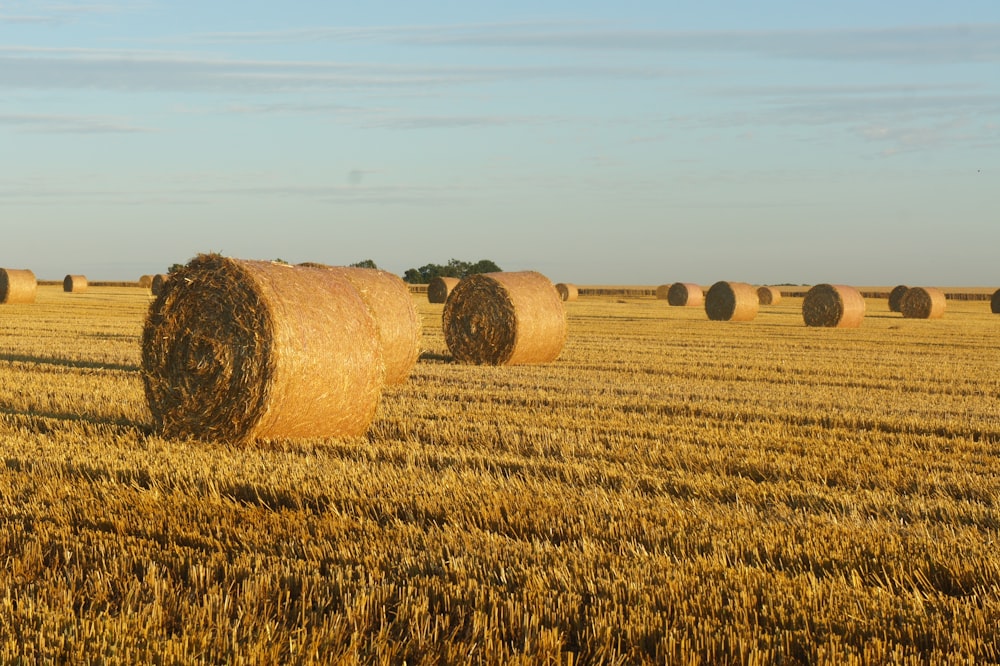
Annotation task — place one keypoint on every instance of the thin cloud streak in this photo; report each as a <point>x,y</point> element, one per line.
<point>59,124</point>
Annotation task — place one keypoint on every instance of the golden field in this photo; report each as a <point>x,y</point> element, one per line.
<point>671,490</point>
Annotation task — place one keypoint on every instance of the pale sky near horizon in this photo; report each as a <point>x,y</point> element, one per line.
<point>599,143</point>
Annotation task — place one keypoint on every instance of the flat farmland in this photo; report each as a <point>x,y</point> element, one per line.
<point>671,490</point>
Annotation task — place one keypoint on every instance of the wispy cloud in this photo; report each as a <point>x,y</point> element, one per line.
<point>55,13</point>
<point>62,124</point>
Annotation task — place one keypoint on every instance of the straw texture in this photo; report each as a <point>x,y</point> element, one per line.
<point>923,303</point>
<point>685,294</point>
<point>896,297</point>
<point>567,292</point>
<point>833,306</point>
<point>731,301</point>
<point>74,284</point>
<point>768,295</point>
<point>237,351</point>
<point>17,285</point>
<point>506,318</point>
<point>439,288</point>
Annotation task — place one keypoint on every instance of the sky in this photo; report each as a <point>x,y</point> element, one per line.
<point>773,142</point>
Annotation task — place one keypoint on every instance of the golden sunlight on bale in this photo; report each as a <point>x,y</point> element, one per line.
<point>439,288</point>
<point>731,301</point>
<point>685,294</point>
<point>146,281</point>
<point>923,303</point>
<point>236,351</point>
<point>17,285</point>
<point>74,284</point>
<point>567,292</point>
<point>505,319</point>
<point>768,295</point>
<point>896,297</point>
<point>833,306</point>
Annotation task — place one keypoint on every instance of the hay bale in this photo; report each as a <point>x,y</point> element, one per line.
<point>146,281</point>
<point>896,297</point>
<point>505,319</point>
<point>17,285</point>
<point>833,306</point>
<point>391,306</point>
<point>157,283</point>
<point>768,295</point>
<point>236,350</point>
<point>731,301</point>
<point>439,288</point>
<point>685,294</point>
<point>923,303</point>
<point>74,284</point>
<point>662,292</point>
<point>567,292</point>
<point>995,302</point>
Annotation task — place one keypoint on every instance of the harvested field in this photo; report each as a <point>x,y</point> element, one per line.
<point>668,491</point>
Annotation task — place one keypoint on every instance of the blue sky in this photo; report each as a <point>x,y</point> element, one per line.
<point>599,143</point>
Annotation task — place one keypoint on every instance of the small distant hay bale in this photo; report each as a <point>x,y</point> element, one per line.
<point>17,285</point>
<point>391,306</point>
<point>567,292</point>
<point>768,295</point>
<point>74,284</point>
<point>146,281</point>
<point>923,303</point>
<point>662,292</point>
<point>833,306</point>
<point>896,297</point>
<point>157,283</point>
<point>731,301</point>
<point>505,318</point>
<point>685,294</point>
<point>439,288</point>
<point>236,351</point>
<point>995,302</point>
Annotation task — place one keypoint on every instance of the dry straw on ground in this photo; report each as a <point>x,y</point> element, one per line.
<point>567,292</point>
<point>74,284</point>
<point>923,303</point>
<point>17,285</point>
<point>833,306</point>
<point>146,281</point>
<point>505,319</point>
<point>236,350</point>
<point>390,304</point>
<point>731,301</point>
<point>995,302</point>
<point>896,297</point>
<point>439,288</point>
<point>685,294</point>
<point>768,295</point>
<point>157,283</point>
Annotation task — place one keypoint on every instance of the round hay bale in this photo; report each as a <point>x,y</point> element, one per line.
<point>685,294</point>
<point>995,302</point>
<point>391,306</point>
<point>74,284</point>
<point>439,288</point>
<point>17,285</point>
<point>923,303</point>
<point>567,292</point>
<point>731,301</point>
<point>833,306</point>
<point>236,350</point>
<point>505,319</point>
<point>157,283</point>
<point>896,297</point>
<point>768,295</point>
<point>146,281</point>
<point>662,292</point>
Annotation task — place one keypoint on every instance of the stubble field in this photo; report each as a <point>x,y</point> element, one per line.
<point>671,490</point>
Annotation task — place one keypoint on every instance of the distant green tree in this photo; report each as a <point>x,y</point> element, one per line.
<point>455,268</point>
<point>365,263</point>
<point>174,268</point>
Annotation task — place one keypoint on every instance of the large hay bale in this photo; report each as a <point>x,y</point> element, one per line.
<point>995,302</point>
<point>439,288</point>
<point>236,350</point>
<point>146,281</point>
<point>896,297</point>
<point>391,306</point>
<point>731,301</point>
<point>833,306</point>
<point>17,285</point>
<point>685,294</point>
<point>74,284</point>
<point>567,292</point>
<point>923,303</point>
<point>505,319</point>
<point>768,295</point>
<point>157,283</point>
